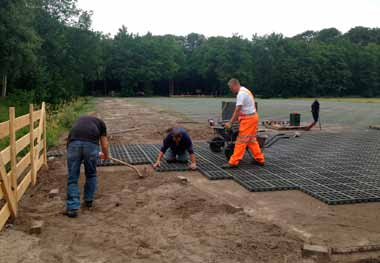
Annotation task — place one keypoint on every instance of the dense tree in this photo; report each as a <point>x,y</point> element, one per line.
<point>138,61</point>
<point>18,40</point>
<point>48,49</point>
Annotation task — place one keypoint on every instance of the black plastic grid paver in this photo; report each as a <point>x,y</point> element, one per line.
<point>134,155</point>
<point>151,152</point>
<point>332,197</point>
<point>334,168</point>
<point>129,153</point>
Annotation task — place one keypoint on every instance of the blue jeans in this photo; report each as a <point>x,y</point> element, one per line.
<point>78,152</point>
<point>182,157</point>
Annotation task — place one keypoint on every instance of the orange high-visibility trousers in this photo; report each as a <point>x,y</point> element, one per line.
<point>247,137</point>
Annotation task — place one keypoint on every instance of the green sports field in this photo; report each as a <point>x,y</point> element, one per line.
<point>356,113</point>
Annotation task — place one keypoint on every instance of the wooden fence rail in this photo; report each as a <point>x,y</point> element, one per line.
<point>21,160</point>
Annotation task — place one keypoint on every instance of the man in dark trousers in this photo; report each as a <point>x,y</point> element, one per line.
<point>83,146</point>
<point>177,147</point>
<point>315,113</point>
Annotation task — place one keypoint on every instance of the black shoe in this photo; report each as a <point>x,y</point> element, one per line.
<point>88,204</point>
<point>258,163</point>
<point>171,161</point>
<point>229,166</point>
<point>183,162</point>
<point>72,213</point>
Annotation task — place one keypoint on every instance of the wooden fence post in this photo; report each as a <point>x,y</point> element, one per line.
<point>32,150</point>
<point>12,142</point>
<point>44,131</point>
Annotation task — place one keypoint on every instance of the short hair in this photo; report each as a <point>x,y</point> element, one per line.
<point>233,82</point>
<point>177,133</point>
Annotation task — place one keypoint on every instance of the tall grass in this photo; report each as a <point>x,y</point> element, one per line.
<point>61,117</point>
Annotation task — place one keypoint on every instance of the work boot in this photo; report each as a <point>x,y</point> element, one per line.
<point>72,213</point>
<point>258,163</point>
<point>88,204</point>
<point>229,166</point>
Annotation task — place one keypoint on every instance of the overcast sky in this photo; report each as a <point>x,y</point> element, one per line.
<point>225,17</point>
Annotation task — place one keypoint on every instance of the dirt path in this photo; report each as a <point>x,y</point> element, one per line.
<point>157,219</point>
<point>120,114</point>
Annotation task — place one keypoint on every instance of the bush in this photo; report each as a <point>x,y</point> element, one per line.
<point>20,98</point>
<point>61,117</point>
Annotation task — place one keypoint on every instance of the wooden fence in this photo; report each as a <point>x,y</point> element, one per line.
<point>21,160</point>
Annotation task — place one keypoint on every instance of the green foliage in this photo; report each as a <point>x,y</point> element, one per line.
<point>136,61</point>
<point>3,110</point>
<point>47,46</point>
<point>18,40</point>
<point>19,99</point>
<point>61,117</point>
<point>49,51</point>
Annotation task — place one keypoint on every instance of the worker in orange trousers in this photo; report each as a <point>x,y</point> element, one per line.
<point>248,118</point>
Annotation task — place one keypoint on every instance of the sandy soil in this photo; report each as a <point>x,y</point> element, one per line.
<point>160,219</point>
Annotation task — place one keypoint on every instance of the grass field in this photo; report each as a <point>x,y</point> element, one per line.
<point>351,112</point>
<point>354,100</point>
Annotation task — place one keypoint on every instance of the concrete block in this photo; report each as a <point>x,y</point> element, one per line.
<point>53,193</point>
<point>36,227</point>
<point>183,179</point>
<point>316,251</point>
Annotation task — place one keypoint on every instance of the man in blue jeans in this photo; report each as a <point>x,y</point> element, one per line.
<point>177,147</point>
<point>83,146</point>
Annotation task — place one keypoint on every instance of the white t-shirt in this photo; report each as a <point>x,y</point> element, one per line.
<point>246,100</point>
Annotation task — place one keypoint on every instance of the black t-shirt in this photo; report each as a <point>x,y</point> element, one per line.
<point>88,128</point>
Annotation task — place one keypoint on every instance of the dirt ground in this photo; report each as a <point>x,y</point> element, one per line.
<point>160,219</point>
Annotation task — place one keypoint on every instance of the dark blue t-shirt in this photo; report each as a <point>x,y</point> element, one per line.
<point>88,128</point>
<point>184,145</point>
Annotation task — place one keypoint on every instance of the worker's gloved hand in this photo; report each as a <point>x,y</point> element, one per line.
<point>228,125</point>
<point>102,156</point>
<point>157,164</point>
<point>193,166</point>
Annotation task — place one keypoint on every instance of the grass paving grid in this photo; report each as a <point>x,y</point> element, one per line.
<point>333,111</point>
<point>151,152</point>
<point>353,177</point>
<point>350,186</point>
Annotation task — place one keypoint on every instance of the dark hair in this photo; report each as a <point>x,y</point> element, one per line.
<point>176,133</point>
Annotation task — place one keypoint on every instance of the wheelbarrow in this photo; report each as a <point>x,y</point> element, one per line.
<point>225,138</point>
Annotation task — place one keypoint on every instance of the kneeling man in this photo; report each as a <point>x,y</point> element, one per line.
<point>177,147</point>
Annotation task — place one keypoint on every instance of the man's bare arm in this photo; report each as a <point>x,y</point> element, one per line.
<point>235,116</point>
<point>192,158</point>
<point>158,161</point>
<point>104,145</point>
<point>159,157</point>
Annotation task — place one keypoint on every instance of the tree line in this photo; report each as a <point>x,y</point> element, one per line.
<point>48,51</point>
